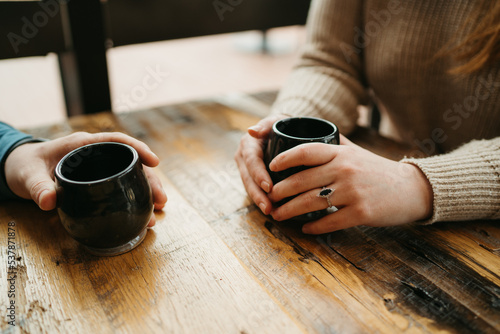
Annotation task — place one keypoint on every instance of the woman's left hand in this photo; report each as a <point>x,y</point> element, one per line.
<point>369,189</point>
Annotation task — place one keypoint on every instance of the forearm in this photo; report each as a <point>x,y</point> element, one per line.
<point>309,92</point>
<point>327,82</point>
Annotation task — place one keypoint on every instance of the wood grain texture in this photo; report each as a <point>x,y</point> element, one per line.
<point>398,295</point>
<point>215,264</point>
<point>182,278</point>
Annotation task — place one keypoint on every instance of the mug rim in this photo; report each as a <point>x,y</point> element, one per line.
<point>276,131</point>
<point>61,177</point>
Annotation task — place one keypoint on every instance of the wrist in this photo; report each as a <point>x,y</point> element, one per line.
<point>11,168</point>
<point>423,194</point>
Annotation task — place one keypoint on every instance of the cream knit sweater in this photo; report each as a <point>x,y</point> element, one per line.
<point>357,49</point>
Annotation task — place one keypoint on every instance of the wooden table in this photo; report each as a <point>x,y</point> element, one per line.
<point>215,264</point>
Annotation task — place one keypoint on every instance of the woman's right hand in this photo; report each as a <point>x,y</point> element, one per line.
<point>249,158</point>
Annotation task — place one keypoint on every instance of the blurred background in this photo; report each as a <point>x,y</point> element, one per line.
<point>53,56</point>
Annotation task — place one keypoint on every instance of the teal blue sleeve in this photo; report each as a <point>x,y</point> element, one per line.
<point>10,138</point>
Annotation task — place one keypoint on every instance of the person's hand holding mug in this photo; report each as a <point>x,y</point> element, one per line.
<point>250,160</point>
<point>29,169</point>
<point>368,189</point>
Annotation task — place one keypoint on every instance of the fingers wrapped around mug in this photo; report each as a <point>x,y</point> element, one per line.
<point>321,172</point>
<point>310,201</point>
<point>366,188</point>
<point>253,171</point>
<point>342,213</point>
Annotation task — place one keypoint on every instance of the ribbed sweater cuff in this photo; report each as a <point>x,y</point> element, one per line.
<point>465,182</point>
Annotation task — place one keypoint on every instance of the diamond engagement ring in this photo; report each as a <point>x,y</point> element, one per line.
<point>326,193</point>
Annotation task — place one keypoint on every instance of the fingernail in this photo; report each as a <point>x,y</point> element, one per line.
<point>42,195</point>
<point>273,214</point>
<point>42,202</point>
<point>262,207</point>
<point>271,166</point>
<point>265,186</point>
<point>306,229</point>
<point>255,128</point>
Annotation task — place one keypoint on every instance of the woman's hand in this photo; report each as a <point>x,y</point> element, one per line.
<point>29,169</point>
<point>249,158</point>
<point>369,189</point>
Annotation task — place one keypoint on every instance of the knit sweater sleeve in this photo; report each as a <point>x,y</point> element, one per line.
<point>465,182</point>
<point>327,81</point>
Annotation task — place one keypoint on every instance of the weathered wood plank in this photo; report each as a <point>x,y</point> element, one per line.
<point>417,288</point>
<point>45,294</point>
<point>486,235</point>
<point>433,258</point>
<point>298,280</point>
<point>196,154</point>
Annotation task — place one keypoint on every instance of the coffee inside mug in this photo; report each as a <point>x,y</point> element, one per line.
<point>97,163</point>
<point>304,128</point>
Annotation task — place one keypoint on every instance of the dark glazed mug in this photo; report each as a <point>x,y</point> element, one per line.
<point>104,198</point>
<point>290,132</point>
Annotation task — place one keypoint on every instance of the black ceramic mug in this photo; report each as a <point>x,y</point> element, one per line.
<point>104,198</point>
<point>290,132</point>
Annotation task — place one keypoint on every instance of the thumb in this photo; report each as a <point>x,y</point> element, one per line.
<point>42,190</point>
<point>263,127</point>
<point>152,220</point>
